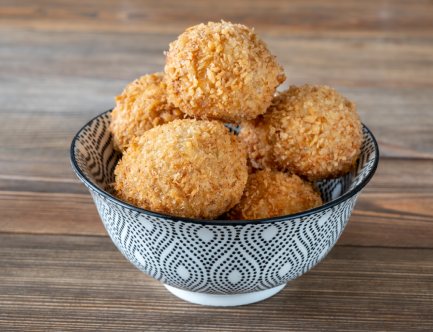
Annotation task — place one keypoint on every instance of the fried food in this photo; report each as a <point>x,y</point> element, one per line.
<point>142,106</point>
<point>273,194</point>
<point>311,131</point>
<point>221,71</point>
<point>185,168</point>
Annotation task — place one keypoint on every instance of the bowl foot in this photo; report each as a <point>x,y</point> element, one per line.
<point>224,300</point>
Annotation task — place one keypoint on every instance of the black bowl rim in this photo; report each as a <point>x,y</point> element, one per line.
<point>306,213</point>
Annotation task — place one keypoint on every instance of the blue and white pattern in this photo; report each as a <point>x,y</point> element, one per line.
<point>218,258</point>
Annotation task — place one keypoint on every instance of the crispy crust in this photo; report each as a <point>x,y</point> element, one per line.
<point>186,168</point>
<point>273,194</point>
<point>311,131</point>
<point>221,71</point>
<point>142,106</point>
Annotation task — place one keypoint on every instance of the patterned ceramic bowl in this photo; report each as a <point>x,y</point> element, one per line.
<point>224,263</point>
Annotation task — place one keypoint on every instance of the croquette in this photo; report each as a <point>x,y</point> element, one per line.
<point>273,194</point>
<point>311,131</point>
<point>186,168</point>
<point>221,71</point>
<point>142,106</point>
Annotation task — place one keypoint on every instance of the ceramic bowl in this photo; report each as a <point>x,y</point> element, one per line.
<point>224,263</point>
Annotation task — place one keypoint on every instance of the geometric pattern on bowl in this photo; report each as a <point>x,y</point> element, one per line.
<point>217,257</point>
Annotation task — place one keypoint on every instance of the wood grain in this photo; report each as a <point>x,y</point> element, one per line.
<point>396,207</point>
<point>49,213</point>
<point>394,210</point>
<point>53,83</point>
<point>54,80</point>
<point>57,77</point>
<point>62,62</point>
<point>84,283</point>
<point>349,17</point>
<point>403,62</point>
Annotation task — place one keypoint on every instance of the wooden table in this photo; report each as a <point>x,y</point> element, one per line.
<point>61,63</point>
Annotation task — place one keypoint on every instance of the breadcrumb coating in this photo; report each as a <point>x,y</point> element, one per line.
<point>311,131</point>
<point>272,194</point>
<point>222,71</point>
<point>186,168</point>
<point>142,106</point>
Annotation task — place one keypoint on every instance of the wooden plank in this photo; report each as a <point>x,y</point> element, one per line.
<point>61,63</point>
<point>53,83</point>
<point>84,283</point>
<point>375,62</point>
<point>396,207</point>
<point>398,17</point>
<point>49,213</point>
<point>394,210</point>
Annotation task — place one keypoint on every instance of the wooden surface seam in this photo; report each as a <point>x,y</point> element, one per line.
<point>63,62</point>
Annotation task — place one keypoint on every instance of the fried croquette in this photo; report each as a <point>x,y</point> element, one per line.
<point>221,71</point>
<point>311,131</point>
<point>142,106</point>
<point>272,194</point>
<point>186,168</point>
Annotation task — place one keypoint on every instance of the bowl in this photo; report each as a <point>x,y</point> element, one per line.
<point>216,262</point>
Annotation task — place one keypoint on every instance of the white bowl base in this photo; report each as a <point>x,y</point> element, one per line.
<point>224,300</point>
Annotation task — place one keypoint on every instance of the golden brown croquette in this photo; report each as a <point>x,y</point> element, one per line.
<point>273,194</point>
<point>311,131</point>
<point>142,106</point>
<point>185,168</point>
<point>221,71</point>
